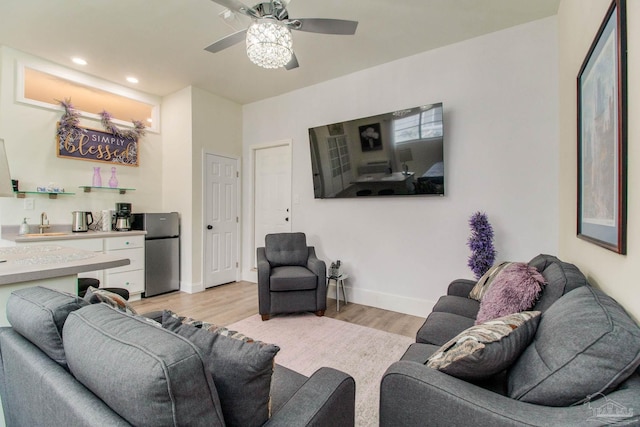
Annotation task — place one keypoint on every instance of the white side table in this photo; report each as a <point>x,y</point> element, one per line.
<point>340,283</point>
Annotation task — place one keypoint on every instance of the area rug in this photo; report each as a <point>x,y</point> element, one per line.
<point>308,342</point>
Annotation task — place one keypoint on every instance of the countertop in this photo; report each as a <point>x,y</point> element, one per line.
<point>29,263</point>
<point>62,232</point>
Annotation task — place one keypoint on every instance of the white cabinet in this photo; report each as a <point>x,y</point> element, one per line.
<point>130,277</point>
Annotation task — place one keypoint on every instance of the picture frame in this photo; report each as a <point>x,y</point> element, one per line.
<point>602,135</point>
<point>336,129</point>
<point>370,137</point>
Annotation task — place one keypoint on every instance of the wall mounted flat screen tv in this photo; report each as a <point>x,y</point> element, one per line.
<point>394,154</point>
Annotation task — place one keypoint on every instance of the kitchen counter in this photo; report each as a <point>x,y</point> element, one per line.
<point>29,263</point>
<point>52,266</point>
<point>58,233</point>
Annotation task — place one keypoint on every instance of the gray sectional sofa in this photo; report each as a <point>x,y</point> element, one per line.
<point>65,362</point>
<point>570,374</point>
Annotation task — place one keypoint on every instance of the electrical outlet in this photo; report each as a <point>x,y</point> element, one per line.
<point>29,204</point>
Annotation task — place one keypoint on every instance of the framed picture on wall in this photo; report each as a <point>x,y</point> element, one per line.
<point>336,129</point>
<point>602,135</point>
<point>370,137</point>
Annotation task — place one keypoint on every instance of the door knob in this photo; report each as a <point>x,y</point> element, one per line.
<point>209,227</point>
<point>286,219</point>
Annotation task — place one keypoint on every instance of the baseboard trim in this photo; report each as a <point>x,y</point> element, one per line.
<point>191,288</point>
<point>386,301</point>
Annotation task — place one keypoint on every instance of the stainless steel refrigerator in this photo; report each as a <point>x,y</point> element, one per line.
<point>162,251</point>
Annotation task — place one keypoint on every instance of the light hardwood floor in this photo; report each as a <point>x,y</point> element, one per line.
<point>232,302</point>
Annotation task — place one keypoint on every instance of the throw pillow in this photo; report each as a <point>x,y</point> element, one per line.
<point>485,350</point>
<point>241,369</point>
<point>586,344</point>
<point>515,289</point>
<point>38,314</point>
<point>147,375</point>
<point>96,295</point>
<point>484,283</point>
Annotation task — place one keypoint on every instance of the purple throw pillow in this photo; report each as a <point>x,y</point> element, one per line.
<point>515,289</point>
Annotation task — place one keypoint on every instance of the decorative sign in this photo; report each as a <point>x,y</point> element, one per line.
<point>98,146</point>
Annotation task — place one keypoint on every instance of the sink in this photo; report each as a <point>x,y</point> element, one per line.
<point>44,234</point>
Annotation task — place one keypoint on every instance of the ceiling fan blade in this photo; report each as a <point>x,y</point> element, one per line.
<point>293,63</point>
<point>238,6</point>
<point>226,42</point>
<point>325,26</point>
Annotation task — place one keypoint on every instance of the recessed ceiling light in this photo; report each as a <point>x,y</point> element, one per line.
<point>79,61</point>
<point>150,120</point>
<point>132,79</point>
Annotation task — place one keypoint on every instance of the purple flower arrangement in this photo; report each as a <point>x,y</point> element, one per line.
<point>483,254</point>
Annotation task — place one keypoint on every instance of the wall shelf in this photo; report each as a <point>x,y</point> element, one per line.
<point>52,195</point>
<point>88,189</point>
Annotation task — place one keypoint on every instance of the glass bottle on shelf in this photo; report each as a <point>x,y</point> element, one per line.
<point>97,179</point>
<point>113,182</point>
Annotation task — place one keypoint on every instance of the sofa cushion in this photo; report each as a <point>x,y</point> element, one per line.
<point>96,295</point>
<point>39,313</point>
<point>585,344</point>
<point>463,306</point>
<point>515,288</point>
<point>484,283</point>
<point>292,278</point>
<point>487,349</point>
<point>286,249</point>
<point>440,327</point>
<point>560,277</point>
<point>241,370</point>
<point>146,374</point>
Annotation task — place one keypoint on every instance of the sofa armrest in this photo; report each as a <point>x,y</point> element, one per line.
<point>327,398</point>
<point>264,273</point>
<point>461,287</point>
<point>412,394</point>
<point>316,265</point>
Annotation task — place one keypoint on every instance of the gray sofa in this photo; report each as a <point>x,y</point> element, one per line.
<point>66,362</point>
<point>579,331</point>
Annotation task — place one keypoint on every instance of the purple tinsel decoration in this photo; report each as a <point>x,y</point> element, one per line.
<point>70,124</point>
<point>481,244</point>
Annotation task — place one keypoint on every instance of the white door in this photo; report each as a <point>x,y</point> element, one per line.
<point>272,194</point>
<point>220,220</point>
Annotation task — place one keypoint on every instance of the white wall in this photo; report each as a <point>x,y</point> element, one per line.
<point>500,97</point>
<point>578,23</point>
<point>30,137</point>
<point>177,186</point>
<point>195,121</point>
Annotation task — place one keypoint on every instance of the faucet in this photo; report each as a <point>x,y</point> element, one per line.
<point>43,218</point>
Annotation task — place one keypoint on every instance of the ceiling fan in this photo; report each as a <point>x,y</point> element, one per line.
<point>268,38</point>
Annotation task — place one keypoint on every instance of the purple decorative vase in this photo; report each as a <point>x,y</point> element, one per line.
<point>97,179</point>
<point>113,181</point>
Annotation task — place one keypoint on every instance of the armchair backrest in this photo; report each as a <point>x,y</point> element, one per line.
<point>286,249</point>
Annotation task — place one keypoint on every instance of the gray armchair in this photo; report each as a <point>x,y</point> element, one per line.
<point>290,276</point>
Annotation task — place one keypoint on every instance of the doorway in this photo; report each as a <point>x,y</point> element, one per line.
<point>220,220</point>
<point>272,191</point>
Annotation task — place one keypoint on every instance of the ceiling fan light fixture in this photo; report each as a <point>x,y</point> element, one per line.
<point>269,43</point>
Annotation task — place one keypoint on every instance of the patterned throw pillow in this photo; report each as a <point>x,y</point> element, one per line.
<point>486,280</point>
<point>96,295</point>
<point>485,350</point>
<point>241,368</point>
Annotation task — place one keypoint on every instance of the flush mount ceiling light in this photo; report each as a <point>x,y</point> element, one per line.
<point>269,43</point>
<point>269,37</point>
<point>132,79</point>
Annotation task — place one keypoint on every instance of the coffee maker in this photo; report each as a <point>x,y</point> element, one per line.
<point>122,219</point>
